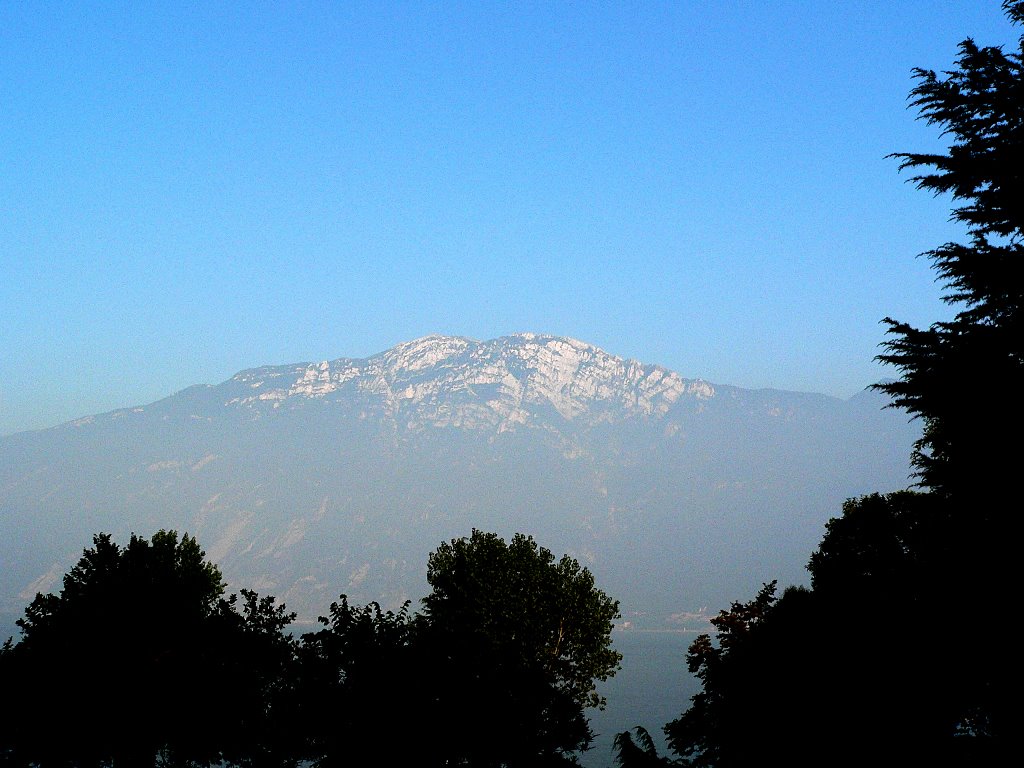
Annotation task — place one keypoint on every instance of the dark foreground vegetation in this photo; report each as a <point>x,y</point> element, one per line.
<point>141,660</point>
<point>901,652</point>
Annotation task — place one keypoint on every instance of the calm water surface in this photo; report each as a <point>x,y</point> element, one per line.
<point>652,688</point>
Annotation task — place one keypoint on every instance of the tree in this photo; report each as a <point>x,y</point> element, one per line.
<point>797,680</point>
<point>966,456</point>
<point>638,751</point>
<point>496,670</point>
<point>718,727</point>
<point>516,595</point>
<point>980,105</point>
<point>521,640</point>
<point>140,657</point>
<point>362,698</point>
<point>857,670</point>
<point>255,677</point>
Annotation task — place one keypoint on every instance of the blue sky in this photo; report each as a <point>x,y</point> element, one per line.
<point>191,190</point>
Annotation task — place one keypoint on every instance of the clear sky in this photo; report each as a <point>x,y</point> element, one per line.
<point>187,190</point>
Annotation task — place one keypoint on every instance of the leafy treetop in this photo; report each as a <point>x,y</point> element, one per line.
<point>517,596</point>
<point>980,106</point>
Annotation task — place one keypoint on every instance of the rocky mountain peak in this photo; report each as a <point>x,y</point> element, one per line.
<point>495,383</point>
<point>423,353</point>
<point>319,478</point>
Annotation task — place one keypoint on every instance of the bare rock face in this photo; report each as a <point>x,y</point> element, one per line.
<point>310,480</point>
<point>443,380</point>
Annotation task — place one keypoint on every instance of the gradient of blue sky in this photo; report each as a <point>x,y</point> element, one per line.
<point>191,190</point>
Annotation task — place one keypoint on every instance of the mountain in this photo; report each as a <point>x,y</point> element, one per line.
<point>309,480</point>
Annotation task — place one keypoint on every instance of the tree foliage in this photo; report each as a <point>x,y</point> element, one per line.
<point>636,750</point>
<point>256,683</point>
<point>360,694</point>
<point>707,733</point>
<point>140,660</point>
<point>140,657</point>
<point>965,456</point>
<point>496,670</point>
<point>520,640</point>
<point>516,598</point>
<point>980,106</point>
<point>871,665</point>
<point>857,670</point>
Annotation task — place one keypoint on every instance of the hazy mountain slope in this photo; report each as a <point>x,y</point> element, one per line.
<point>309,480</point>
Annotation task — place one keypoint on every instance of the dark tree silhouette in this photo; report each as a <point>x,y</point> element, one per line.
<point>798,681</point>
<point>496,671</point>
<point>255,678</point>
<point>139,658</point>
<point>361,684</point>
<point>515,594</point>
<point>966,456</point>
<point>637,751</point>
<point>858,670</point>
<point>718,727</point>
<point>521,640</point>
<point>980,106</point>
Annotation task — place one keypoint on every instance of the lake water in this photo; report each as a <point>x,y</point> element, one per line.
<point>652,688</point>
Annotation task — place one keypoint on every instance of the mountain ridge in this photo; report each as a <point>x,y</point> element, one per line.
<point>399,375</point>
<point>311,479</point>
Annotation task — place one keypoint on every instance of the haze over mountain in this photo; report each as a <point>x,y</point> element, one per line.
<point>314,479</point>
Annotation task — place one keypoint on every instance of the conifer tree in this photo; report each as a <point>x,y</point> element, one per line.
<point>801,684</point>
<point>964,377</point>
